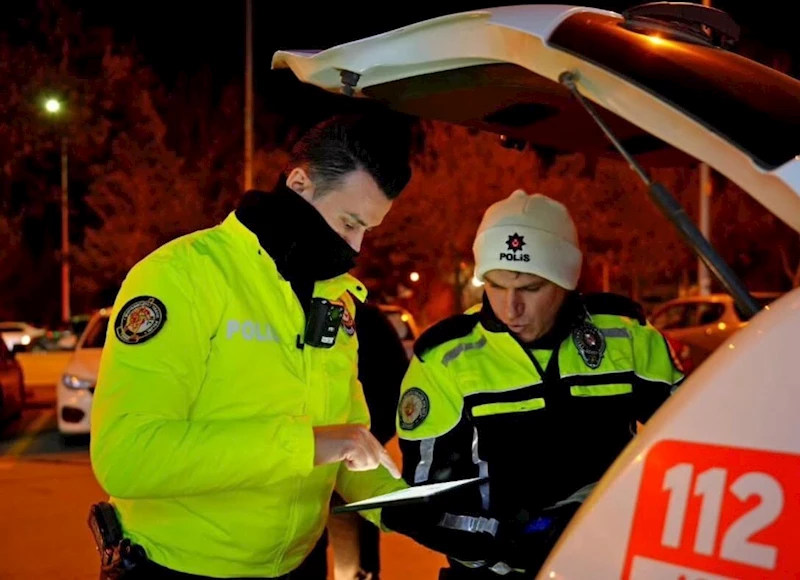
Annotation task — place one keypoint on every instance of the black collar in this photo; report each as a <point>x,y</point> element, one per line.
<point>296,236</point>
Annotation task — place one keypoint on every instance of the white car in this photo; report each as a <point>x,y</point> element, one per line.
<point>19,333</point>
<point>75,390</point>
<point>711,487</point>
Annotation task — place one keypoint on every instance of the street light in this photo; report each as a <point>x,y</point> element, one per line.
<point>53,106</point>
<point>248,97</point>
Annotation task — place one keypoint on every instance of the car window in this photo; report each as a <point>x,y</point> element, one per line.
<point>671,317</point>
<point>96,333</point>
<point>11,327</point>
<point>709,312</point>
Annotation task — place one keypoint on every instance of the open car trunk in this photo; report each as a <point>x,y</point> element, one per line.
<point>499,70</point>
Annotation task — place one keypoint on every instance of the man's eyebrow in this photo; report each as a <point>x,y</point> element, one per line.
<point>493,283</point>
<point>533,285</point>
<point>358,219</point>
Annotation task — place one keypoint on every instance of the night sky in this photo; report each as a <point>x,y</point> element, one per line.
<point>190,36</point>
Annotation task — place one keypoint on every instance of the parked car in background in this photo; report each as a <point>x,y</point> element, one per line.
<point>404,324</point>
<point>19,333</point>
<point>696,326</point>
<point>43,360</point>
<point>66,338</point>
<point>75,390</point>
<point>12,385</point>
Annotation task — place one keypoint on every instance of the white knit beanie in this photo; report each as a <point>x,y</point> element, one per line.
<point>532,234</point>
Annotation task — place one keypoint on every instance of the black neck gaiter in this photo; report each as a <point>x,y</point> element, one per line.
<point>302,244</point>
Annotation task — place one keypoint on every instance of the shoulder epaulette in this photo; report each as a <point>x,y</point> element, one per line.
<point>448,329</point>
<point>616,304</point>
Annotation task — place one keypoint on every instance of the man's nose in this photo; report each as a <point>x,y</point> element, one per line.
<point>513,304</point>
<point>355,240</point>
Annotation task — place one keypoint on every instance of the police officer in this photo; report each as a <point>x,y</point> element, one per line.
<point>382,363</point>
<point>228,407</point>
<point>537,391</point>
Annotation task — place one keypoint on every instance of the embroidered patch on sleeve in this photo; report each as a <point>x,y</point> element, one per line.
<point>140,320</point>
<point>413,408</point>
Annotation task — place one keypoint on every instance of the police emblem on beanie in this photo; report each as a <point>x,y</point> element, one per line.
<point>515,242</point>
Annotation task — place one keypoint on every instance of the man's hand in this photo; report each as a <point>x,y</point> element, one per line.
<point>352,444</point>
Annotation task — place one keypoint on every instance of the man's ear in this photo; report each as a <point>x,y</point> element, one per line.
<point>300,182</point>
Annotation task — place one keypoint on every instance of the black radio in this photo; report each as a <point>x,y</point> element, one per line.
<point>324,319</point>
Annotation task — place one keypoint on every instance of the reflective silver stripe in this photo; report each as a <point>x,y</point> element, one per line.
<point>423,470</point>
<point>457,351</point>
<point>577,497</point>
<point>483,470</point>
<point>615,332</point>
<point>473,524</point>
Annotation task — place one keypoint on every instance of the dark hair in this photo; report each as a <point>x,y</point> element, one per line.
<point>379,144</point>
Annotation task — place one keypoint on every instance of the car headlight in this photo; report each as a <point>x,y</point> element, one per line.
<point>73,382</point>
<point>25,340</point>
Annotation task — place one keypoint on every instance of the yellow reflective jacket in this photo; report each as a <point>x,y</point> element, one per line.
<point>204,408</point>
<point>540,422</point>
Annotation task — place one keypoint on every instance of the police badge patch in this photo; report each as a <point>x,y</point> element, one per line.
<point>140,320</point>
<point>348,324</point>
<point>590,342</point>
<point>413,408</point>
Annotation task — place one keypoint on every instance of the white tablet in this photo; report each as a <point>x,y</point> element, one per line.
<point>417,494</point>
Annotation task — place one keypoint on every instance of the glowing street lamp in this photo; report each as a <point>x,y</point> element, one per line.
<point>414,276</point>
<point>53,106</point>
